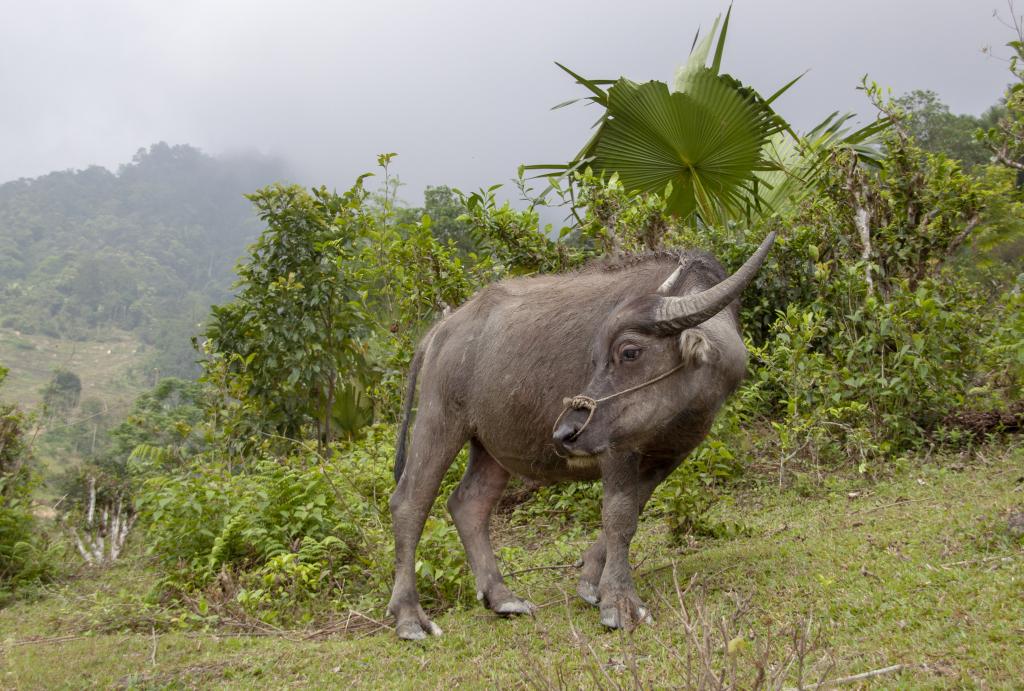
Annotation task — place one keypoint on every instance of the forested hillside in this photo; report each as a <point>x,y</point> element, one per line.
<point>146,249</point>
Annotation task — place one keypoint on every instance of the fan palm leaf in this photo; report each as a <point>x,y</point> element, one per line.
<point>713,146</point>
<point>704,143</point>
<point>799,159</point>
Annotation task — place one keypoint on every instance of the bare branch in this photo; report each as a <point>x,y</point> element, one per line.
<point>972,223</point>
<point>858,677</point>
<point>1002,157</point>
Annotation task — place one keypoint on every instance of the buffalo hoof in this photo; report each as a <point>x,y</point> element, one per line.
<point>515,606</point>
<point>413,631</point>
<point>412,624</point>
<point>588,591</point>
<point>500,600</point>
<point>624,615</point>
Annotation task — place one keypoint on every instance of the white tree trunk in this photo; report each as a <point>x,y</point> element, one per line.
<point>102,541</point>
<point>861,218</point>
<point>864,228</point>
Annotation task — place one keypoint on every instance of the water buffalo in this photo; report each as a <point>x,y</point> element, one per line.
<point>646,349</point>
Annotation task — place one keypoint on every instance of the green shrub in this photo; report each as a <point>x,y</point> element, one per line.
<point>296,531</point>
<point>26,554</point>
<point>575,505</point>
<point>1002,349</point>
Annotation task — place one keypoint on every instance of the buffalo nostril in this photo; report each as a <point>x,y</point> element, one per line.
<point>567,433</point>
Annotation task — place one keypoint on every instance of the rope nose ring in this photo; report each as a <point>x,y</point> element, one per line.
<point>576,403</point>
<point>581,402</point>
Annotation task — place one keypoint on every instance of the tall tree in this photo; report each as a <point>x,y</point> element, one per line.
<point>62,394</point>
<point>295,327</point>
<point>929,121</point>
<point>442,205</point>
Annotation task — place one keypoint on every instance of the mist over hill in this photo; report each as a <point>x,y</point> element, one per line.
<point>146,249</point>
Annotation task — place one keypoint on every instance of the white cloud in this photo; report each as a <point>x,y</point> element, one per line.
<point>460,89</point>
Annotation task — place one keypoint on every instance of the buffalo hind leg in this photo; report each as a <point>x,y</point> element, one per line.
<point>434,446</point>
<point>591,567</point>
<point>470,506</point>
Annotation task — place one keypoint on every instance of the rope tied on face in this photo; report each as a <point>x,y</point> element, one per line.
<point>581,402</point>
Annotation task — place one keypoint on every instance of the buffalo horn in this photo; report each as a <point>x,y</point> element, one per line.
<point>673,314</point>
<point>670,282</point>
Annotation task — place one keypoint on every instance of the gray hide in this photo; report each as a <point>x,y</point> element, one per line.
<point>495,372</point>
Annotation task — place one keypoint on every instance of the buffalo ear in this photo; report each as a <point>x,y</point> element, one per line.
<point>696,349</point>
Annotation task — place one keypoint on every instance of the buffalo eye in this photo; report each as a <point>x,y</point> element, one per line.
<point>629,353</point>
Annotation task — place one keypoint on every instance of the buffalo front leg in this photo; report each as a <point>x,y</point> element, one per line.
<point>434,446</point>
<point>620,605</point>
<point>592,562</point>
<point>470,505</point>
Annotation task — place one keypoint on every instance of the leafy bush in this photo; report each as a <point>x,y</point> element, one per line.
<point>294,531</point>
<point>26,555</point>
<point>576,505</point>
<point>61,394</point>
<point>1002,348</point>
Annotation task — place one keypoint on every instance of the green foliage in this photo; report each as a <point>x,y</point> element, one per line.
<point>442,205</point>
<point>162,429</point>
<point>26,555</point>
<point>1005,137</point>
<point>577,505</point>
<point>698,143</point>
<point>333,297</point>
<point>509,237</point>
<point>618,220</point>
<point>167,416</point>
<point>294,529</point>
<point>929,121</point>
<point>800,162</point>
<point>703,144</point>
<point>713,148</point>
<point>61,395</point>
<point>296,326</point>
<point>860,352</point>
<point>409,277</point>
<point>1002,349</point>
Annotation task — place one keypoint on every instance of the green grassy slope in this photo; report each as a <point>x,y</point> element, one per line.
<point>920,570</point>
<point>113,368</point>
<point>107,366</point>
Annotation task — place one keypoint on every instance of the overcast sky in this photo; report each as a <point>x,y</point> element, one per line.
<point>461,89</point>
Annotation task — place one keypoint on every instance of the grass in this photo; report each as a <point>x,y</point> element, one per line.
<point>102,365</point>
<point>919,569</point>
